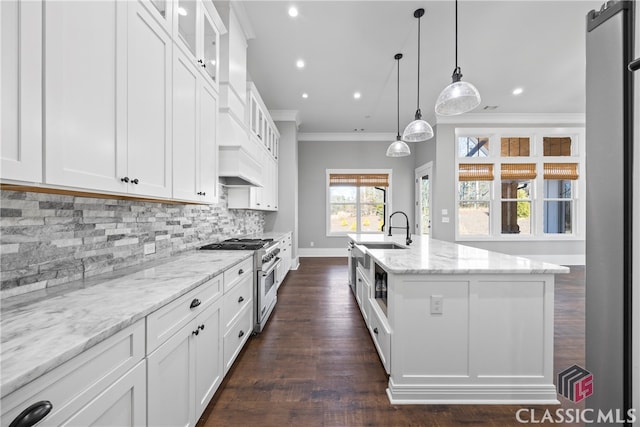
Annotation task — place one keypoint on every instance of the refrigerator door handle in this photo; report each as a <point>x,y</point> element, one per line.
<point>634,65</point>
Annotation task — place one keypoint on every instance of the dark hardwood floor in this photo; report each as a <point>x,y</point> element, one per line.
<point>315,363</point>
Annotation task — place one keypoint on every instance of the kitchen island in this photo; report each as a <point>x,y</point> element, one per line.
<point>455,324</point>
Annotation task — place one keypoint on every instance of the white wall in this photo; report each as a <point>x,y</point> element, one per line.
<point>315,157</point>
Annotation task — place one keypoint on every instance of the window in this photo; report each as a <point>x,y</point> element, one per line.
<point>357,202</point>
<point>533,193</point>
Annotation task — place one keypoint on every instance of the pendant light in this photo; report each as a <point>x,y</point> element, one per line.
<point>459,97</point>
<point>398,148</point>
<point>418,130</point>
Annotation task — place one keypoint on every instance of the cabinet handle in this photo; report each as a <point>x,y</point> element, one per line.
<point>135,181</point>
<point>201,193</point>
<point>260,136</point>
<point>125,179</point>
<point>196,302</point>
<point>359,280</point>
<point>240,271</point>
<point>201,327</point>
<point>258,204</point>
<point>32,415</point>
<point>375,331</point>
<point>241,334</point>
<point>196,332</point>
<point>240,299</point>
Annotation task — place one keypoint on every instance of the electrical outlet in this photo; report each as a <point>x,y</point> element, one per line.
<point>445,219</point>
<point>312,244</point>
<point>149,248</point>
<point>436,304</point>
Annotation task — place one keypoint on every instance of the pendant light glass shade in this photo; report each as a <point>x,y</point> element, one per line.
<point>459,97</point>
<point>398,148</point>
<point>418,130</point>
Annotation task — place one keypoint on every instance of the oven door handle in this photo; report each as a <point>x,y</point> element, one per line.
<point>273,267</point>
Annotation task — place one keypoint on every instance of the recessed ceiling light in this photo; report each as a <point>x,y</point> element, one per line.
<point>305,95</point>
<point>517,91</point>
<point>182,11</point>
<point>293,12</point>
<point>356,95</point>
<point>300,63</point>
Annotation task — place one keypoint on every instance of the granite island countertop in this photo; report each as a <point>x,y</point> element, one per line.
<point>431,256</point>
<point>39,333</point>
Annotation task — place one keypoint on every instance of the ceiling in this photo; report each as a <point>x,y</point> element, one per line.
<point>349,46</point>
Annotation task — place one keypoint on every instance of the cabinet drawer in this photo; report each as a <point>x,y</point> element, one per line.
<point>237,335</point>
<point>167,320</point>
<point>235,274</point>
<point>236,299</point>
<point>381,335</point>
<point>74,384</point>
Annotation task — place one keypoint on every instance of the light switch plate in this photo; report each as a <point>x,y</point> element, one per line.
<point>445,212</point>
<point>149,248</point>
<point>437,301</point>
<point>445,219</point>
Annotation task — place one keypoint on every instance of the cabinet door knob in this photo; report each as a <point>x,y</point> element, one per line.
<point>375,331</point>
<point>32,415</point>
<point>196,302</point>
<point>135,181</point>
<point>201,327</point>
<point>241,334</point>
<point>196,332</point>
<point>125,179</point>
<point>240,271</point>
<point>240,299</point>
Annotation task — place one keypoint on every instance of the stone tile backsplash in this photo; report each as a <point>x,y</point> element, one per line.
<point>51,239</point>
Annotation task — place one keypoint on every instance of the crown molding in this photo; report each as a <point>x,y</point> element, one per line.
<point>515,118</point>
<point>346,136</point>
<point>286,116</point>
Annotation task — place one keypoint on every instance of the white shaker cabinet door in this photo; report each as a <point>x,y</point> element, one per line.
<point>209,364</point>
<point>170,379</point>
<point>149,104</point>
<point>85,43</point>
<point>208,143</point>
<point>21,89</point>
<point>185,130</point>
<point>122,404</point>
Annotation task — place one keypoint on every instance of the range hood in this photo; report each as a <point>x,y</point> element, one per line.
<point>238,168</point>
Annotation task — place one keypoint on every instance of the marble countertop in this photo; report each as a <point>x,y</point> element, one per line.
<point>431,256</point>
<point>40,332</point>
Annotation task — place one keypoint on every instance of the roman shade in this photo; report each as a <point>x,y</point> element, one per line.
<point>560,171</point>
<point>359,180</point>
<point>516,171</point>
<point>475,172</point>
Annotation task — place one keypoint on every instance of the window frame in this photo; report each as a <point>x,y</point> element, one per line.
<point>328,231</point>
<point>536,156</point>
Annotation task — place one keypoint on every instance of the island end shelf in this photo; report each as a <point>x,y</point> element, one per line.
<point>458,325</point>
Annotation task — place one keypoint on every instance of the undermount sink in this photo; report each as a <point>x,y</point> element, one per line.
<point>383,246</point>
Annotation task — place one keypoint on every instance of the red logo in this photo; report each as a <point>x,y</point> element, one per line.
<point>575,383</point>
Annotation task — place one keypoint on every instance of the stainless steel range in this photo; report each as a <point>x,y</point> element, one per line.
<point>266,264</point>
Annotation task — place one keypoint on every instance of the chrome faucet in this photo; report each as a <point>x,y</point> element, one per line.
<point>407,227</point>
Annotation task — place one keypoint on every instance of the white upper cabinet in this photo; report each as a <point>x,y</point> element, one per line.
<point>85,104</point>
<point>208,155</point>
<point>107,127</point>
<point>21,88</point>
<point>262,127</point>
<point>149,80</point>
<point>196,31</point>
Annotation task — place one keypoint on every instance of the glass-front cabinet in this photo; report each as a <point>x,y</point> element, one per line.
<point>197,32</point>
<point>260,123</point>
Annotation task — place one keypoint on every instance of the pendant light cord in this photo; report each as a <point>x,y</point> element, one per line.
<point>398,97</point>
<point>418,103</point>
<point>456,34</point>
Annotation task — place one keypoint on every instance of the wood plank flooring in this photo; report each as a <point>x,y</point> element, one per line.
<point>315,364</point>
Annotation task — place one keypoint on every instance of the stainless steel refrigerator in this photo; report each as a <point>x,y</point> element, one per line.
<point>609,199</point>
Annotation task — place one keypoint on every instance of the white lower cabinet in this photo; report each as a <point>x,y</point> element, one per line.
<point>105,385</point>
<point>185,371</point>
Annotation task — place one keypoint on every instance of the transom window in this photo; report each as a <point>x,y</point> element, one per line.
<point>357,201</point>
<point>518,183</point>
